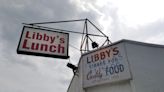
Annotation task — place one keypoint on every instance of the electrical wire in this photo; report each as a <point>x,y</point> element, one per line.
<point>74,47</point>
<point>62,30</point>
<point>57,21</point>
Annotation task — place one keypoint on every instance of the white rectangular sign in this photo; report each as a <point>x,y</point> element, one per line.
<point>106,65</point>
<point>41,42</point>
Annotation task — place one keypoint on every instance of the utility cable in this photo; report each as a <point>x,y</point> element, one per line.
<point>62,30</point>
<point>57,22</point>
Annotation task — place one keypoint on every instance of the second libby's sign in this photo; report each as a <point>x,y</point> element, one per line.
<point>106,65</point>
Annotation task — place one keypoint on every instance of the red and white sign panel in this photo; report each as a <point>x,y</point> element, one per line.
<point>41,42</point>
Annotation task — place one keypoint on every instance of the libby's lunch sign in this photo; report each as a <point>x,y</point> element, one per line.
<point>105,65</point>
<point>41,42</point>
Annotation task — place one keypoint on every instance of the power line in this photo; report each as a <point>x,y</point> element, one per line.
<point>63,30</point>
<point>74,47</point>
<point>57,22</point>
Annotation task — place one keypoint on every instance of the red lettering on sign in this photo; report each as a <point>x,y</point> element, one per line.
<point>32,42</point>
<point>45,38</point>
<point>102,55</point>
<point>44,47</point>
<point>96,57</point>
<point>27,35</point>
<point>34,46</point>
<point>99,56</point>
<point>25,44</point>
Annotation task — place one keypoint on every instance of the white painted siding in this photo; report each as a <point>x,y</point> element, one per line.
<point>116,87</point>
<point>74,86</point>
<point>147,67</point>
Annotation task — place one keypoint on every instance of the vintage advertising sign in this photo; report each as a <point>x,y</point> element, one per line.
<point>107,65</point>
<point>41,42</point>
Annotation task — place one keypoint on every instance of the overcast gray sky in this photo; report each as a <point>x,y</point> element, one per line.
<point>140,20</point>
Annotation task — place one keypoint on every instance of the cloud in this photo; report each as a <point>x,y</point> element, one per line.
<point>22,73</point>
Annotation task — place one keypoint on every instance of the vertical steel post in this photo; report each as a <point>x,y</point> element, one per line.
<point>87,43</point>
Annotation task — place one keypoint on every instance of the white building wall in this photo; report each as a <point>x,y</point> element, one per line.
<point>115,87</point>
<point>146,64</point>
<point>74,86</point>
<point>76,82</point>
<point>147,67</point>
